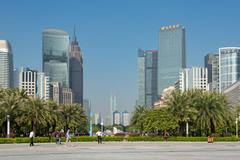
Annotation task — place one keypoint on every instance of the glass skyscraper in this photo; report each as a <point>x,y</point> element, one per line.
<point>229,66</point>
<point>6,65</point>
<point>147,77</point>
<point>171,56</point>
<point>55,49</point>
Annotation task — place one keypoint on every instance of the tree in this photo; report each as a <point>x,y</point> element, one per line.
<point>11,99</point>
<point>34,113</point>
<point>180,105</point>
<point>137,121</point>
<point>213,112</point>
<point>159,120</point>
<point>73,115</point>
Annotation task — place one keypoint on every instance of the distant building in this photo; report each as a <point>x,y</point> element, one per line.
<point>208,61</point>
<point>113,106</point>
<point>43,86</point>
<point>6,65</point>
<point>147,77</point>
<point>16,78</point>
<point>67,96</point>
<point>97,118</point>
<point>232,94</point>
<point>164,97</point>
<point>87,108</point>
<point>229,66</point>
<point>55,50</point>
<point>55,92</point>
<point>125,118</point>
<point>193,78</point>
<point>116,118</point>
<point>76,71</point>
<point>28,81</point>
<point>215,73</point>
<point>172,55</point>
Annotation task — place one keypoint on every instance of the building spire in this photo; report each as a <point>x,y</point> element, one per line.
<point>74,35</point>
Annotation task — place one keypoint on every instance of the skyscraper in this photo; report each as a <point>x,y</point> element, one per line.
<point>172,55</point>
<point>6,65</point>
<point>147,77</point>
<point>76,71</point>
<point>125,118</point>
<point>208,60</point>
<point>229,66</point>
<point>55,47</point>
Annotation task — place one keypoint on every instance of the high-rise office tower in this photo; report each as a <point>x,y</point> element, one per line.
<point>55,47</point>
<point>87,108</point>
<point>229,66</point>
<point>66,96</point>
<point>172,55</point>
<point>76,71</point>
<point>6,65</point>
<point>208,60</point>
<point>147,77</point>
<point>193,78</point>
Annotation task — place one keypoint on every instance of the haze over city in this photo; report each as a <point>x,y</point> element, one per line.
<point>111,32</point>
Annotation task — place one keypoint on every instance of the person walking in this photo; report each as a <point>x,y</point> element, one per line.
<point>68,136</point>
<point>31,135</point>
<point>99,137</point>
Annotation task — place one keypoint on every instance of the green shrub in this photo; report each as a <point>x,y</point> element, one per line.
<point>7,140</point>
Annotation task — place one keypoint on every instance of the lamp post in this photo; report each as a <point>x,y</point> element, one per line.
<point>187,127</point>
<point>8,126</point>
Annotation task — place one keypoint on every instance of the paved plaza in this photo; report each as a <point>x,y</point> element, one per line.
<point>123,151</point>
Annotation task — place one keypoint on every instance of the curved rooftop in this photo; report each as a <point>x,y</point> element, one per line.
<point>5,46</point>
<point>55,31</point>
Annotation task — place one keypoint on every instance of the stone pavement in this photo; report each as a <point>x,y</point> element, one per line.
<point>123,151</point>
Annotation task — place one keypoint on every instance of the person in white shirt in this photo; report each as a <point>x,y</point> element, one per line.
<point>31,135</point>
<point>99,136</point>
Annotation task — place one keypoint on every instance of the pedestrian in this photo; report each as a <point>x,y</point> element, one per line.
<point>165,135</point>
<point>31,135</point>
<point>58,137</point>
<point>99,137</point>
<point>68,136</point>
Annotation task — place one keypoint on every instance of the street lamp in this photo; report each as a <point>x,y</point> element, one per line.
<point>187,127</point>
<point>8,126</point>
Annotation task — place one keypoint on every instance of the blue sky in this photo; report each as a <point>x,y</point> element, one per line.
<point>111,31</point>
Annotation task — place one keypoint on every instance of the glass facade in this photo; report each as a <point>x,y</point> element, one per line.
<point>55,55</point>
<point>229,66</point>
<point>147,72</point>
<point>6,65</point>
<point>172,56</point>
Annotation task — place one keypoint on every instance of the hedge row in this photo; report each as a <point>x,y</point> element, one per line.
<point>116,138</point>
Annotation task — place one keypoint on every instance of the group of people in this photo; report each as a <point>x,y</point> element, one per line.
<point>57,134</point>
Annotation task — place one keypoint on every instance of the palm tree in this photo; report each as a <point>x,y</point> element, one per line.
<point>180,105</point>
<point>137,120</point>
<point>55,115</point>
<point>11,99</point>
<point>73,115</point>
<point>34,113</point>
<point>213,112</point>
